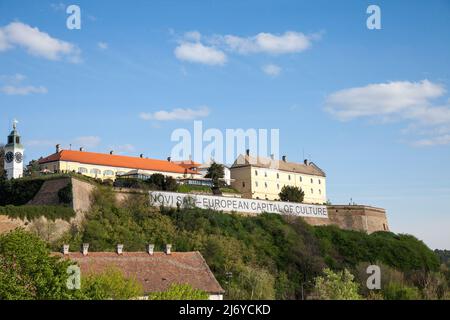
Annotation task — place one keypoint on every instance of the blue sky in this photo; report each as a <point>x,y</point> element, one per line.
<point>370,107</point>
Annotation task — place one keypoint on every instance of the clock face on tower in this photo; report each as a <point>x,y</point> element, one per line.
<point>9,157</point>
<point>18,157</point>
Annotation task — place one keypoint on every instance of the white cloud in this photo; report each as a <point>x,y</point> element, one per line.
<point>434,141</point>
<point>58,6</point>
<point>289,42</point>
<point>199,53</point>
<point>193,36</point>
<point>15,78</point>
<point>271,69</point>
<point>22,90</point>
<point>177,114</point>
<point>407,101</point>
<point>124,148</point>
<point>102,45</point>
<point>87,141</point>
<point>37,43</point>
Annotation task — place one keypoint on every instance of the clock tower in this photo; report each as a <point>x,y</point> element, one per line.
<point>14,154</point>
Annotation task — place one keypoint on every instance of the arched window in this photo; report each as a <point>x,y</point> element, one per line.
<point>95,171</point>
<point>82,170</point>
<point>119,173</point>
<point>108,173</point>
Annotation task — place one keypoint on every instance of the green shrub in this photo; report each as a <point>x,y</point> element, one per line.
<point>179,292</point>
<point>65,194</point>
<point>34,212</point>
<point>398,291</point>
<point>18,191</point>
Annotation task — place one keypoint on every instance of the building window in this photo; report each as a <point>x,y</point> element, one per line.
<point>278,176</point>
<point>95,171</point>
<point>265,184</point>
<point>312,191</point>
<point>243,184</point>
<point>289,177</point>
<point>108,173</point>
<point>119,173</point>
<point>82,170</point>
<point>320,182</point>
<point>256,183</point>
<point>320,191</point>
<point>265,174</point>
<point>278,186</point>
<point>256,172</point>
<point>301,179</point>
<point>312,181</point>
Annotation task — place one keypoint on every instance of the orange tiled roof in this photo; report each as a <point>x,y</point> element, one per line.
<point>112,160</point>
<point>155,272</point>
<point>188,164</point>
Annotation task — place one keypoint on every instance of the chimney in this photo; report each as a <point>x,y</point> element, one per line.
<point>81,149</point>
<point>111,152</point>
<point>168,248</point>
<point>190,157</point>
<point>305,162</point>
<point>65,249</point>
<point>58,148</point>
<point>284,158</point>
<point>247,152</point>
<point>150,248</point>
<point>119,248</point>
<point>168,159</point>
<point>85,249</point>
<point>141,155</point>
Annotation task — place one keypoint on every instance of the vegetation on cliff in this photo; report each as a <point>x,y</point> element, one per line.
<point>264,257</point>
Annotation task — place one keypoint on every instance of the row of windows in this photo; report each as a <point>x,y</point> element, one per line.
<point>97,172</point>
<point>289,177</point>
<point>278,186</point>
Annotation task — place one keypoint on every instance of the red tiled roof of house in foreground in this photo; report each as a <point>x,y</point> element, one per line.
<point>155,272</point>
<point>112,160</point>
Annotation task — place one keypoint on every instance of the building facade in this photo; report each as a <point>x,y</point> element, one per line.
<point>109,166</point>
<point>13,162</point>
<point>264,178</point>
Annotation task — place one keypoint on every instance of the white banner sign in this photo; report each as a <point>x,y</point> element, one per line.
<point>175,199</point>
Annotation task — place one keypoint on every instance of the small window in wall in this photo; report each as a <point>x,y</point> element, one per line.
<point>243,184</point>
<point>289,177</point>
<point>301,179</point>
<point>320,191</point>
<point>312,191</point>
<point>266,197</point>
<point>278,176</point>
<point>108,173</point>
<point>320,182</point>
<point>265,174</point>
<point>256,172</point>
<point>265,184</point>
<point>82,170</point>
<point>312,181</point>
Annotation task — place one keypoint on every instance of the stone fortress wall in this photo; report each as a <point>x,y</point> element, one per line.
<point>350,217</point>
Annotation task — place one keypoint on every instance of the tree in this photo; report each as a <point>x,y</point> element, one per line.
<point>28,271</point>
<point>335,286</point>
<point>179,292</point>
<point>33,169</point>
<point>215,172</point>
<point>2,162</point>
<point>291,194</point>
<point>110,284</point>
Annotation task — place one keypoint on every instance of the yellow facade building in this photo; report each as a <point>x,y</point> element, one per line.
<point>263,178</point>
<point>110,166</point>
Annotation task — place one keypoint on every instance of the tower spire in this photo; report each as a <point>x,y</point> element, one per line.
<point>15,122</point>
